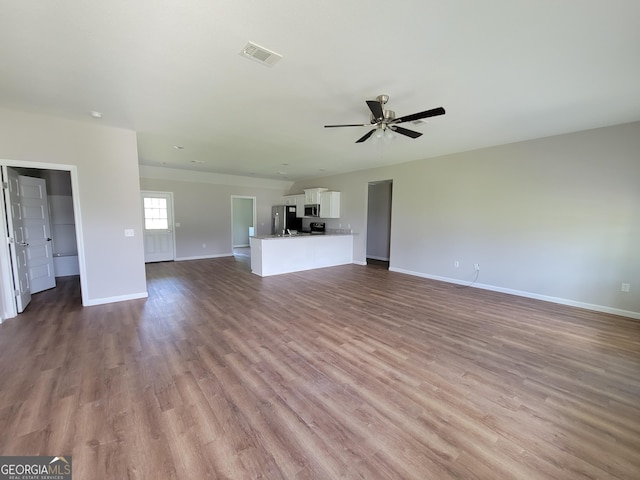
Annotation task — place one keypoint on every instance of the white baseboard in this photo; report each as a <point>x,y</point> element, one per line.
<point>119,298</point>
<point>520,293</point>
<point>241,246</point>
<point>203,257</point>
<point>382,259</point>
<point>358,262</point>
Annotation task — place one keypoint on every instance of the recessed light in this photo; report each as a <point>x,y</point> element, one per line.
<point>95,114</point>
<point>197,161</point>
<point>178,147</point>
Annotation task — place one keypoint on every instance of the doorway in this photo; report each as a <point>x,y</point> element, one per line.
<point>379,223</point>
<point>243,221</point>
<point>61,239</point>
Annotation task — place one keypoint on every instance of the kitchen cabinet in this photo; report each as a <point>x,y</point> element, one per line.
<point>311,195</point>
<point>298,201</point>
<point>329,204</point>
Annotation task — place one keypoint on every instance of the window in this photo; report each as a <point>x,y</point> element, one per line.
<point>155,214</point>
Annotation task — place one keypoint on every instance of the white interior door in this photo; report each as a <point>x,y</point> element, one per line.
<point>37,225</point>
<point>157,210</point>
<point>17,239</point>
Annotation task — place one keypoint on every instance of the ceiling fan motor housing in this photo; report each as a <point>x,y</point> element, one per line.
<point>388,116</point>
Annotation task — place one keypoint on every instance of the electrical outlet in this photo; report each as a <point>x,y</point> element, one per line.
<point>456,263</point>
<point>626,287</point>
<point>204,245</point>
<point>476,267</point>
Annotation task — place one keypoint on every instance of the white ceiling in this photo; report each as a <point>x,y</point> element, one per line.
<point>504,70</point>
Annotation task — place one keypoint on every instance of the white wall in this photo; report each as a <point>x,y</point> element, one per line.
<point>202,204</point>
<point>553,218</point>
<point>106,162</point>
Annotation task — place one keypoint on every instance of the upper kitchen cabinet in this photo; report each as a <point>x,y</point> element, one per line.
<point>312,195</point>
<point>297,200</point>
<point>291,199</point>
<point>329,204</point>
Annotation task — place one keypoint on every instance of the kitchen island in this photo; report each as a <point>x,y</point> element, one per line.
<point>273,255</point>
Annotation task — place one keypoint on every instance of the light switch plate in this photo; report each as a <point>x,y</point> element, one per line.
<point>128,232</point>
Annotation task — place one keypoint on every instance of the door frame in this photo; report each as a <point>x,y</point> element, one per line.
<point>366,223</point>
<point>255,219</point>
<point>8,303</point>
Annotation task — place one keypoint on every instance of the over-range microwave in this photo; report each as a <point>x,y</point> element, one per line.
<point>312,210</point>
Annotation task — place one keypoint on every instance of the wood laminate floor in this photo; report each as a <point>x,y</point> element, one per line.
<point>347,372</point>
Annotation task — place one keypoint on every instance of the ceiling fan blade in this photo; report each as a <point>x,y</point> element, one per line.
<point>349,125</point>
<point>376,109</point>
<point>405,131</point>
<point>417,116</point>
<point>365,136</point>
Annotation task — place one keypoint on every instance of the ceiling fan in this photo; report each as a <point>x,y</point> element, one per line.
<point>386,119</point>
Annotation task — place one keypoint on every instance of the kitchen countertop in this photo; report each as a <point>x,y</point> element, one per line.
<point>300,235</point>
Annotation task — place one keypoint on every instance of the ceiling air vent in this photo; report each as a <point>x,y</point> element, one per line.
<point>260,54</point>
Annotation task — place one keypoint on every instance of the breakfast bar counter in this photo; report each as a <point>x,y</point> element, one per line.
<point>273,255</point>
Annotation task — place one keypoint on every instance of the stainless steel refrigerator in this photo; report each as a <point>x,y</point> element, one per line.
<point>283,218</point>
